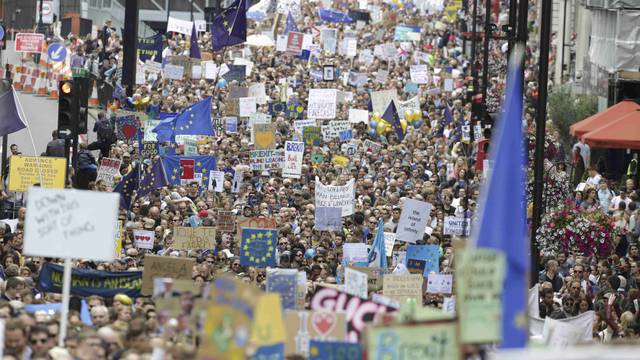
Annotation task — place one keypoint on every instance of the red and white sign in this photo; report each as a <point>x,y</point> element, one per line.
<point>29,42</point>
<point>294,43</point>
<point>143,239</point>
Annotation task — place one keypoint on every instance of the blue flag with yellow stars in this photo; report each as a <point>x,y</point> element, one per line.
<point>258,247</point>
<point>230,27</point>
<point>183,170</point>
<point>154,179</point>
<point>194,120</point>
<point>127,186</point>
<point>391,116</point>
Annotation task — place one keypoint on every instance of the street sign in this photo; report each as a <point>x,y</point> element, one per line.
<point>64,133</point>
<point>1,32</point>
<point>29,42</point>
<point>57,52</point>
<point>47,12</point>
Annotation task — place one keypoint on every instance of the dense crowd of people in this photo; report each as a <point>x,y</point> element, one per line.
<point>433,162</point>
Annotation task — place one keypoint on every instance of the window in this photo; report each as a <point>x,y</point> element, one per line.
<point>94,3</point>
<point>106,4</point>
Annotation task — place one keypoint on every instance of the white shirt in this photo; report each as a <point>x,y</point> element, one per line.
<point>595,180</point>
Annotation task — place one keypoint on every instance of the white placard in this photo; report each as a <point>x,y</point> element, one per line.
<point>334,128</point>
<point>173,72</point>
<point>413,220</point>
<point>449,305</point>
<point>143,239</point>
<point>322,103</point>
<point>354,252</point>
<point>196,72</point>
<point>258,91</point>
<point>179,26</point>
<point>281,43</point>
<point>389,242</point>
<point>201,25</point>
<point>439,283</point>
<point>67,224</point>
<point>419,74</point>
<point>336,196</point>
<point>247,106</point>
<point>358,116</point>
<point>140,75</point>
<point>381,76</point>
<point>293,156</point>
<point>216,181</point>
<point>448,85</point>
<point>224,68</point>
<point>210,70</point>
<point>456,226</point>
<point>355,282</point>
<point>381,99</point>
<point>351,47</point>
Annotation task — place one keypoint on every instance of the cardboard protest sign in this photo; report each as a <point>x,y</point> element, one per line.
<point>60,222</point>
<point>479,283</point>
<point>375,277</point>
<point>335,196</point>
<point>258,247</point>
<point>312,135</point>
<point>322,103</point>
<point>25,171</point>
<point>270,159</point>
<point>413,220</point>
<point>285,283</point>
<point>355,283</point>
<point>423,259</point>
<point>359,311</point>
<point>165,266</point>
<point>268,327</point>
<point>265,136</point>
<point>381,99</point>
<point>293,156</point>
<point>324,350</point>
<point>225,221</point>
<point>403,287</point>
<point>143,239</point>
<point>456,226</point>
<point>187,238</point>
<point>328,218</point>
<point>439,283</point>
<point>305,326</point>
<point>438,341</point>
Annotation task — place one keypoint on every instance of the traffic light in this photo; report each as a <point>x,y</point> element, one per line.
<point>68,108</point>
<point>84,92</point>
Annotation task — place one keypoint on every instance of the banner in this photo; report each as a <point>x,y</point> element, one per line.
<point>91,282</point>
<point>108,169</point>
<point>359,311</point>
<point>272,159</point>
<point>335,196</point>
<point>25,171</point>
<point>293,156</point>
<point>150,48</point>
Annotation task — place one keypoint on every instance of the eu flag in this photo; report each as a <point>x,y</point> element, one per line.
<point>503,216</point>
<point>258,247</point>
<point>378,255</point>
<point>127,186</point>
<point>183,170</point>
<point>291,24</point>
<point>330,15</point>
<point>10,120</point>
<point>194,49</point>
<point>154,179</point>
<point>230,27</point>
<point>194,120</point>
<point>391,116</point>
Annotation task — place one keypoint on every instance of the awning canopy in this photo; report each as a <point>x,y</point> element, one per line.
<point>603,118</point>
<point>622,133</point>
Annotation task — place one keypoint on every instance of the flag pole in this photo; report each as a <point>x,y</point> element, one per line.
<point>540,132</point>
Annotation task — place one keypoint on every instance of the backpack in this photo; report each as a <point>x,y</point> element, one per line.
<point>106,132</point>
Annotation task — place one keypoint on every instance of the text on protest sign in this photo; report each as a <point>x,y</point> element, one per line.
<point>266,159</point>
<point>322,103</point>
<point>108,169</point>
<point>355,283</point>
<point>293,156</point>
<point>60,222</point>
<point>143,239</point>
<point>402,287</point>
<point>24,171</point>
<point>335,196</point>
<point>165,266</point>
<point>179,26</point>
<point>413,220</point>
<point>187,238</point>
<point>438,341</point>
<point>456,226</point>
<point>439,283</point>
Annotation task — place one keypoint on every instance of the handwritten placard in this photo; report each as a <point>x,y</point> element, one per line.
<point>322,103</point>
<point>335,196</point>
<point>60,221</point>
<point>438,341</point>
<point>413,220</point>
<point>439,283</point>
<point>165,266</point>
<point>188,238</point>
<point>402,287</point>
<point>355,282</point>
<point>143,239</point>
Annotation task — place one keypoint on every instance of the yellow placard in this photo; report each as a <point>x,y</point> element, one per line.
<point>340,160</point>
<point>268,325</point>
<point>25,171</point>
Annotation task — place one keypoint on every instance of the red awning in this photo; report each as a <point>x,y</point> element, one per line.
<point>623,133</point>
<point>602,118</point>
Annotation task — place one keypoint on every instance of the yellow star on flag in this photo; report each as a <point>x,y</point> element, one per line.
<point>246,253</point>
<point>246,247</point>
<point>259,235</point>
<point>198,164</point>
<point>252,259</point>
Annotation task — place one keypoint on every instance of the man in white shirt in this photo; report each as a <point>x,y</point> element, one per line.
<point>594,178</point>
<point>617,199</point>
